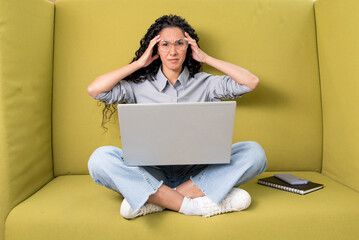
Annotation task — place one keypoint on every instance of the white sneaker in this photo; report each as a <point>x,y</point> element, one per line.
<point>126,210</point>
<point>236,200</point>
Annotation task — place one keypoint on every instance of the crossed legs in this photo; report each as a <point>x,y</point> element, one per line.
<point>213,183</point>
<point>169,198</point>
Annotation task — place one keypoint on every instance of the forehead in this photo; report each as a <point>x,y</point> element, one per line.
<point>171,33</point>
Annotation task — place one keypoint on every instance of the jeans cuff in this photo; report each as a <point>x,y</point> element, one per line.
<point>140,202</point>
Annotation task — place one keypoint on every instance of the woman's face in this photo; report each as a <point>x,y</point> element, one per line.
<point>172,48</point>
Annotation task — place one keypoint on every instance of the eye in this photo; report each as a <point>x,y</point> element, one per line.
<point>164,44</point>
<point>180,42</point>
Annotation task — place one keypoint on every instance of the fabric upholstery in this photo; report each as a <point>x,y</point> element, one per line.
<point>72,207</point>
<point>26,46</point>
<point>50,126</point>
<point>338,51</point>
<point>273,39</point>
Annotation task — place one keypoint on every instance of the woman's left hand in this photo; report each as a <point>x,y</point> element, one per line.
<point>197,53</point>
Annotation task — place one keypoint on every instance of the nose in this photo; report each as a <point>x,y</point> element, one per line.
<point>173,50</point>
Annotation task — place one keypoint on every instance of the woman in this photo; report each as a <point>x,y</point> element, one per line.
<point>166,69</point>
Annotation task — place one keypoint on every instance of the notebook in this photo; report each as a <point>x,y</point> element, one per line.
<point>299,189</point>
<point>177,133</point>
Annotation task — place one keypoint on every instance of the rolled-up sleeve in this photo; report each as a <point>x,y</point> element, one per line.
<point>120,93</point>
<point>224,87</point>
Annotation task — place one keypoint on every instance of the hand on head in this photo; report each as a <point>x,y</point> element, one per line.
<point>197,53</point>
<point>147,58</point>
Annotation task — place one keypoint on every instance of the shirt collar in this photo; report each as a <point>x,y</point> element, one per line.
<point>162,80</point>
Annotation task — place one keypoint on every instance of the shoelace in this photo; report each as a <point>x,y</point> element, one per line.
<point>148,208</point>
<point>210,208</point>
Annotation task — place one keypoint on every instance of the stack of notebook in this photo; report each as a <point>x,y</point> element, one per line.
<point>299,189</point>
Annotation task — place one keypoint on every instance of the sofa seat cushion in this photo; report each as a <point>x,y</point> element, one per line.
<point>74,207</point>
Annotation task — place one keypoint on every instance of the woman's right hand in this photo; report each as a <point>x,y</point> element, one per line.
<point>107,81</point>
<point>147,58</point>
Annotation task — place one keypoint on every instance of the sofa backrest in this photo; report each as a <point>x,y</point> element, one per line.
<point>338,41</point>
<point>275,40</point>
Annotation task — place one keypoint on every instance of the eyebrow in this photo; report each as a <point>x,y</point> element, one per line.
<point>174,41</point>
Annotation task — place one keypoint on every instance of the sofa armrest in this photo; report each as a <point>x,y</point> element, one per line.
<point>338,52</point>
<point>26,48</point>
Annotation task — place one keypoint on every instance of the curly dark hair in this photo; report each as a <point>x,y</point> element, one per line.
<point>161,23</point>
<point>148,73</point>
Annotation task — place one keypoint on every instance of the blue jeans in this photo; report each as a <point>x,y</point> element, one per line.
<point>136,184</point>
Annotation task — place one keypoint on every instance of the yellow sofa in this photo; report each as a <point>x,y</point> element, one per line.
<point>304,114</point>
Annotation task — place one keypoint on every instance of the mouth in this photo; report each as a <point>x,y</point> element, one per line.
<point>173,60</point>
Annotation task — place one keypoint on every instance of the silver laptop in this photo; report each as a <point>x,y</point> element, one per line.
<point>177,133</point>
